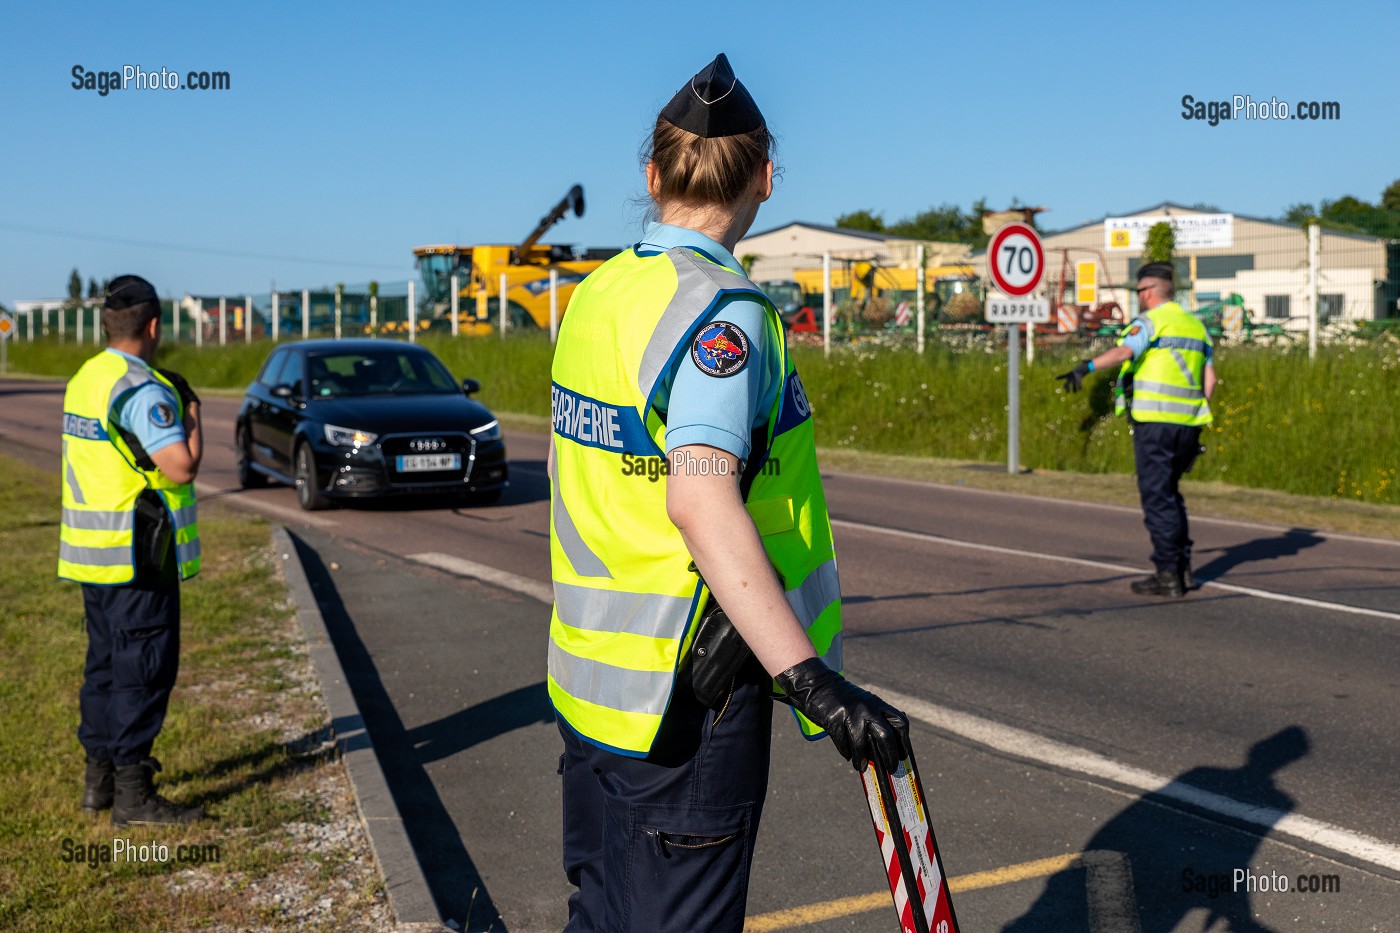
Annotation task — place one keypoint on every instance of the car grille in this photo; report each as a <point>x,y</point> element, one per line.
<point>407,445</point>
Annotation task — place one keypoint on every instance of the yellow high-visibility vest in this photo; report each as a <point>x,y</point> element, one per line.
<point>1169,376</point>
<point>626,594</point>
<point>101,481</point>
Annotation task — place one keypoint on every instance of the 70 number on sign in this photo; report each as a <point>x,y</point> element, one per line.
<point>1017,260</point>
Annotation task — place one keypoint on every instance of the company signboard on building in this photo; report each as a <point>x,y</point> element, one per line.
<point>1193,231</point>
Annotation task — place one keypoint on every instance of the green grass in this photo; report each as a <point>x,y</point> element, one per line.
<point>225,741</point>
<point>1327,427</point>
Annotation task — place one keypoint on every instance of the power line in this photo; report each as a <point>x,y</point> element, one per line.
<point>208,251</point>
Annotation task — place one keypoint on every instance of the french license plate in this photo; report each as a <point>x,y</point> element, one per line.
<point>427,463</point>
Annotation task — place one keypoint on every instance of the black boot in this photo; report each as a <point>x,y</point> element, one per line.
<point>1188,579</point>
<point>97,785</point>
<point>1161,583</point>
<point>138,803</point>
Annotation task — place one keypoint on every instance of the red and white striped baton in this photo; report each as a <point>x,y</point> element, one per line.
<point>905,835</point>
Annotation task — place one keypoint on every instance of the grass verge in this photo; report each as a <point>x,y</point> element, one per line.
<point>247,735</point>
<point>1321,428</point>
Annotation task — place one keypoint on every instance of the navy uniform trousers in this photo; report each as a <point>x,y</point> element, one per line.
<point>664,844</point>
<point>1164,452</point>
<point>132,659</point>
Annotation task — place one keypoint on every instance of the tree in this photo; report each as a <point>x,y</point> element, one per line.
<point>1300,214</point>
<point>869,221</point>
<point>94,290</point>
<point>1390,198</point>
<point>75,288</point>
<point>746,262</point>
<point>1161,243</point>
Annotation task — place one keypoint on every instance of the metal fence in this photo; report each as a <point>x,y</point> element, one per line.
<point>1273,282</point>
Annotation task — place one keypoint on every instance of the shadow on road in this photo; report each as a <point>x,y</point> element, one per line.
<point>1174,872</point>
<point>522,707</point>
<point>457,886</point>
<point>1287,544</point>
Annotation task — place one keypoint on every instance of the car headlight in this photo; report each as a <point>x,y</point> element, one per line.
<point>490,431</point>
<point>348,437</point>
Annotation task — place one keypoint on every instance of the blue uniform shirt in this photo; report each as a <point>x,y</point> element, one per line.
<point>151,412</point>
<point>702,407</point>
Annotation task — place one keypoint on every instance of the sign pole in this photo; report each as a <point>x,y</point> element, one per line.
<point>1016,263</point>
<point>1013,395</point>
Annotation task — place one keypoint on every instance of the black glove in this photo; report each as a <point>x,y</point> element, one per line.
<point>1074,379</point>
<point>862,725</point>
<point>182,388</point>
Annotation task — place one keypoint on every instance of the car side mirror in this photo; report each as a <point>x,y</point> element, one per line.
<point>470,386</point>
<point>284,391</point>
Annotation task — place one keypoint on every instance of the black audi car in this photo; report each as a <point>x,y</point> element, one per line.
<point>353,418</point>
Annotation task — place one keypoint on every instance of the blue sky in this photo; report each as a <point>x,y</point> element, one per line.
<point>353,133</point>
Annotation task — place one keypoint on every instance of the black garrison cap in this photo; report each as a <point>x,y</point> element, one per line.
<point>126,291</point>
<point>713,103</point>
<point>1157,270</point>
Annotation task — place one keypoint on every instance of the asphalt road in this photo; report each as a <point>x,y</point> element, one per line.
<point>1054,712</point>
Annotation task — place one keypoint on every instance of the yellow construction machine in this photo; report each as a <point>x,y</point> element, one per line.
<point>526,268</point>
<point>953,292</point>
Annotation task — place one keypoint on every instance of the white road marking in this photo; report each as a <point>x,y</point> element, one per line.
<point>544,592</point>
<point>1108,883</point>
<point>1109,506</point>
<point>1105,565</point>
<point>289,515</point>
<point>1032,747</point>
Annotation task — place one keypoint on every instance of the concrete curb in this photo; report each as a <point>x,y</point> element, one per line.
<point>410,899</point>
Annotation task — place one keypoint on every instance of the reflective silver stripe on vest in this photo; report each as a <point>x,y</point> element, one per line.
<point>833,657</point>
<point>184,553</point>
<point>72,477</point>
<point>597,610</point>
<point>605,685</point>
<point>581,556</point>
<point>1181,343</point>
<point>821,588</point>
<point>697,283</point>
<point>135,376</point>
<point>1181,365</point>
<point>187,516</point>
<point>1162,388</point>
<point>98,520</point>
<point>95,556</point>
<point>1174,408</point>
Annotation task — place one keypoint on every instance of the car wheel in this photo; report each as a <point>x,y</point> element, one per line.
<point>248,478</point>
<point>309,495</point>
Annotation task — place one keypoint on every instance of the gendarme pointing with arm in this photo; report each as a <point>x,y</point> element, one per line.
<point>1164,386</point>
<point>669,351</point>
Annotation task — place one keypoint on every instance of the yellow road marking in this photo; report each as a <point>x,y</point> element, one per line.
<point>848,906</point>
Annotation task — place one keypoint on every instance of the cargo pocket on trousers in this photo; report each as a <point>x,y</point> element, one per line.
<point>142,658</point>
<point>687,869</point>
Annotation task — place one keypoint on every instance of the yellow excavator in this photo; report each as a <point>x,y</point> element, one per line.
<point>526,267</point>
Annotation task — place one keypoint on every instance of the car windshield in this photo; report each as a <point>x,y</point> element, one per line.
<point>378,372</point>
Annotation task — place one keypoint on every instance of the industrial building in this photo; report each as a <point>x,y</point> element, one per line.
<point>1264,261</point>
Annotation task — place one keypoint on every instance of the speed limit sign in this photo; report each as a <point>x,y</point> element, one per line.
<point>1016,260</point>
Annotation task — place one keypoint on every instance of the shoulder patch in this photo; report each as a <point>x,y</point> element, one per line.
<point>720,349</point>
<point>162,415</point>
<point>1133,330</point>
